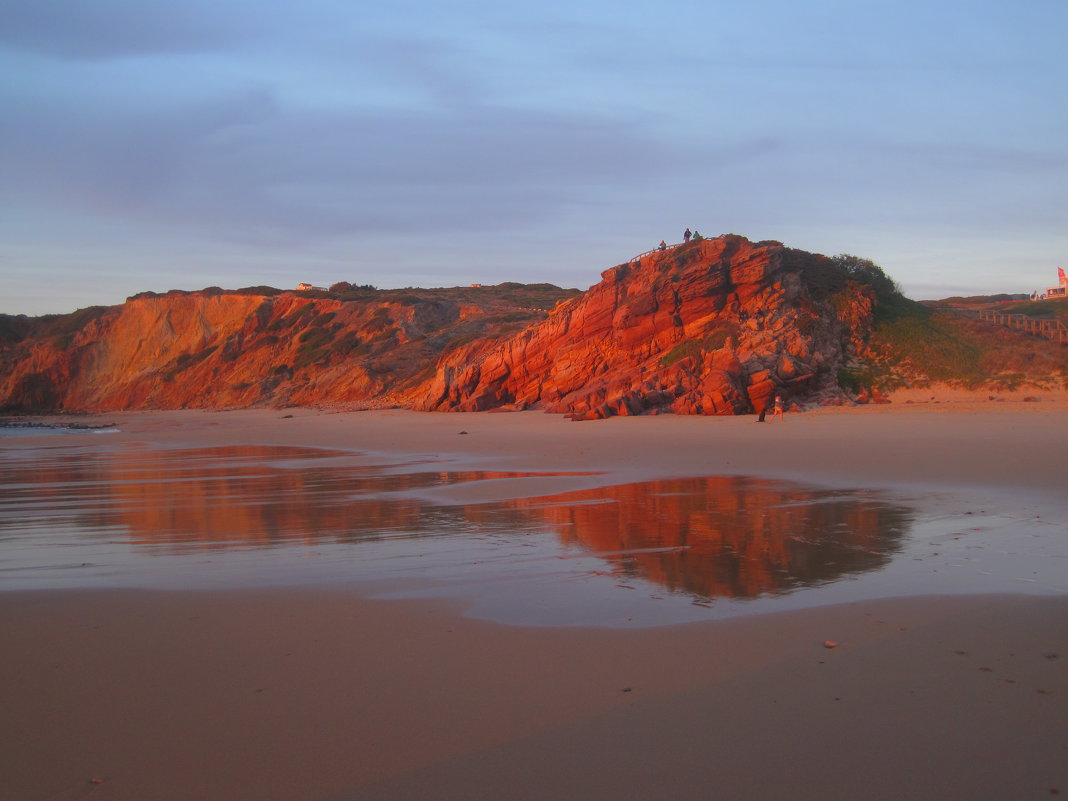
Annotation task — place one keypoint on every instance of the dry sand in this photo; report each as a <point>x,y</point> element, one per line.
<point>316,694</point>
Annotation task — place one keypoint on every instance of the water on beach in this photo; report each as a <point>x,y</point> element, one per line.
<point>39,430</point>
<point>664,551</point>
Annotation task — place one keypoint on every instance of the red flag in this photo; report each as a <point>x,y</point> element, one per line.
<point>1061,275</point>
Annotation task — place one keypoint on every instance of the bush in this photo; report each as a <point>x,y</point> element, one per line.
<point>696,348</point>
<point>867,272</point>
<point>186,360</point>
<point>348,345</point>
<point>63,327</point>
<point>314,337</point>
<point>307,355</point>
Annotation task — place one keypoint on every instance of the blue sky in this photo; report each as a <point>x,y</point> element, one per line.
<point>151,146</point>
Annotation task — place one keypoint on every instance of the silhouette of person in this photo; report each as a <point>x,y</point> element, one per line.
<point>686,236</point>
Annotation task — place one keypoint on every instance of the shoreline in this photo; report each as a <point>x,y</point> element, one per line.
<point>958,443</point>
<point>318,694</point>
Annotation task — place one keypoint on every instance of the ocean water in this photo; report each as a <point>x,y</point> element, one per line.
<point>667,551</point>
<point>10,431</point>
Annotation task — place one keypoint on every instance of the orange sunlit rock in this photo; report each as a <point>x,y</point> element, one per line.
<point>715,326</point>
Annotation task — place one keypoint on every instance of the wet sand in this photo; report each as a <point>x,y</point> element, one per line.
<point>321,694</point>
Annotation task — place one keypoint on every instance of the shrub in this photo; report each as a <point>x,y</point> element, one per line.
<point>348,345</point>
<point>314,337</point>
<point>695,348</point>
<point>62,327</point>
<point>186,360</point>
<point>867,272</point>
<point>268,291</point>
<point>307,355</point>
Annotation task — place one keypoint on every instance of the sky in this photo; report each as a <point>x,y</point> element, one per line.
<point>233,143</point>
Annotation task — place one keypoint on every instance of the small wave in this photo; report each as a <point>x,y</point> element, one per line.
<point>43,430</point>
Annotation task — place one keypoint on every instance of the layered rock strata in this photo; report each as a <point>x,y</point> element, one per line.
<point>715,326</point>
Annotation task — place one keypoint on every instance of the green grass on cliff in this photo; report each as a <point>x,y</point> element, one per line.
<point>1039,309</point>
<point>698,347</point>
<point>917,346</point>
<point>527,296</point>
<point>60,328</point>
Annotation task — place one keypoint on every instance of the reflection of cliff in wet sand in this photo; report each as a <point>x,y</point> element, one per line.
<point>183,500</point>
<point>711,537</point>
<point>728,536</point>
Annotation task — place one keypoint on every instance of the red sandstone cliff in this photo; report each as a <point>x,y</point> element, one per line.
<point>219,350</point>
<point>711,327</point>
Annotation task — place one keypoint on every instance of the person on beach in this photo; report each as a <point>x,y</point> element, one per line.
<point>778,412</point>
<point>686,235</point>
<point>761,395</point>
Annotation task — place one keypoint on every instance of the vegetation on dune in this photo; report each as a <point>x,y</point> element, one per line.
<point>524,296</point>
<point>59,328</point>
<point>973,300</point>
<point>1039,309</point>
<point>916,346</point>
<point>13,328</point>
<point>528,296</point>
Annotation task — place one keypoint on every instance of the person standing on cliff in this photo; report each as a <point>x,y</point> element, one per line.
<point>663,245</point>
<point>686,235</point>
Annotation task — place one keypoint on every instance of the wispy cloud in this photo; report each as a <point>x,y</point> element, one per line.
<point>271,130</point>
<point>103,29</point>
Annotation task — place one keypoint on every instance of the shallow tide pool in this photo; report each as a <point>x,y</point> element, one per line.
<point>655,552</point>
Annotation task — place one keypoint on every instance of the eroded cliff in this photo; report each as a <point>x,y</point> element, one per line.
<point>212,349</point>
<point>715,326</point>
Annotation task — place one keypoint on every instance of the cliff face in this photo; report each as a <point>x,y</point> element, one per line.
<point>212,350</point>
<point>710,327</point>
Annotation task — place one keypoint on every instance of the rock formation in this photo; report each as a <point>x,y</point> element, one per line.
<point>714,326</point>
<point>215,349</point>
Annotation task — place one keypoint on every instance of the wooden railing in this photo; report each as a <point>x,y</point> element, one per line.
<point>657,249</point>
<point>1050,329</point>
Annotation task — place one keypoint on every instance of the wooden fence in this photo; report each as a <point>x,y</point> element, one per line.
<point>657,249</point>
<point>1050,329</point>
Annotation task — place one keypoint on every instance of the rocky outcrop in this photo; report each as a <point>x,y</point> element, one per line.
<point>709,327</point>
<point>713,326</point>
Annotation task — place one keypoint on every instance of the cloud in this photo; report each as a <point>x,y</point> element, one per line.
<point>102,29</point>
<point>243,164</point>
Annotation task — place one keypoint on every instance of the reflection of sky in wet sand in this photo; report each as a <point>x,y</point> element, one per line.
<point>652,551</point>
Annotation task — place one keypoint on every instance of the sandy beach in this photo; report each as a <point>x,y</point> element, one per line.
<point>324,694</point>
